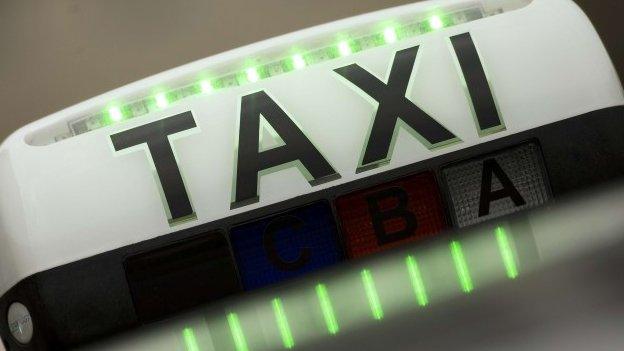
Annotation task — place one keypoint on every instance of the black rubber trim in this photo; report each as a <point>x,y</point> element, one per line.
<point>90,298</point>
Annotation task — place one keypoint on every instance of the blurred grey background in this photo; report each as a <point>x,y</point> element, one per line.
<point>55,53</point>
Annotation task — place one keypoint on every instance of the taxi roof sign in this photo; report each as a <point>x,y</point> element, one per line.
<point>89,186</point>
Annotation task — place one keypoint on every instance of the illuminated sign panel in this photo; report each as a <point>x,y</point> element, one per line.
<point>285,245</point>
<point>391,214</point>
<point>497,184</point>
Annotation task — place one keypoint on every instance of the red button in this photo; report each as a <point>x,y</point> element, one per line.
<point>389,215</point>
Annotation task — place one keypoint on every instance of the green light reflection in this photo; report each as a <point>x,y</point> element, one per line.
<point>189,339</point>
<point>282,323</point>
<point>417,282</point>
<point>237,332</point>
<point>507,253</point>
<point>326,307</point>
<point>461,267</point>
<point>371,294</point>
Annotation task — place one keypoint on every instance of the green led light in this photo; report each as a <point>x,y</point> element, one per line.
<point>115,114</point>
<point>298,61</point>
<point>352,43</point>
<point>461,267</point>
<point>189,339</point>
<point>390,35</point>
<point>282,323</point>
<point>344,48</point>
<point>237,332</point>
<point>252,74</point>
<point>435,22</point>
<point>507,253</point>
<point>161,100</point>
<point>206,86</point>
<point>371,294</point>
<point>327,309</point>
<point>417,282</point>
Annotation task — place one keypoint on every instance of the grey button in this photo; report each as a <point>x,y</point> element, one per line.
<point>497,184</point>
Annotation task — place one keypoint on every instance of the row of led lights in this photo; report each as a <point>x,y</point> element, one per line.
<point>331,321</point>
<point>298,62</point>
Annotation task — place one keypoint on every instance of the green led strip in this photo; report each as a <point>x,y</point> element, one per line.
<point>189,339</point>
<point>506,247</point>
<point>371,294</point>
<point>116,113</point>
<point>507,253</point>
<point>282,323</point>
<point>461,267</point>
<point>237,332</point>
<point>328,311</point>
<point>417,282</point>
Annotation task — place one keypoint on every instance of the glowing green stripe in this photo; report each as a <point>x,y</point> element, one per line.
<point>462,268</point>
<point>282,324</point>
<point>417,282</point>
<point>189,340</point>
<point>237,332</point>
<point>327,309</point>
<point>371,294</point>
<point>322,53</point>
<point>507,253</point>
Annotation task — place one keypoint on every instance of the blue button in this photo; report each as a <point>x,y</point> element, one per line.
<point>284,246</point>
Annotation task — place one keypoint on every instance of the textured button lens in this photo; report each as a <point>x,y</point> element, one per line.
<point>497,184</point>
<point>391,214</point>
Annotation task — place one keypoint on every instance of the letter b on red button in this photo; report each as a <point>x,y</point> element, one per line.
<point>388,215</point>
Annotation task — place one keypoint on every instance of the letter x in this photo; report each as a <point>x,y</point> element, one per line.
<point>394,105</point>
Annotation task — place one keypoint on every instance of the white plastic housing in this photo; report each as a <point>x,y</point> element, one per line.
<point>76,198</point>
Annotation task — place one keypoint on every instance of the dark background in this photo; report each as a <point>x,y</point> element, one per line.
<point>56,53</point>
